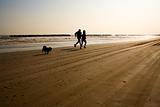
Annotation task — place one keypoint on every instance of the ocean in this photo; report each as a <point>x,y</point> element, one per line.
<point>13,44</point>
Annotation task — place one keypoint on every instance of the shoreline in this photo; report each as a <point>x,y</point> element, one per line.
<point>26,47</point>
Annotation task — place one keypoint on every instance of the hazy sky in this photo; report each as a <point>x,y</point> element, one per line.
<point>66,16</point>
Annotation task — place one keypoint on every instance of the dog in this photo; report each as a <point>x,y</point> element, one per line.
<point>46,49</point>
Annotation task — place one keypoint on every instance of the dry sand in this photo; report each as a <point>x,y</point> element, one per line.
<point>108,75</point>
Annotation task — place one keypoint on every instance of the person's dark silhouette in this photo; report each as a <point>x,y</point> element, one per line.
<point>78,34</point>
<point>84,38</point>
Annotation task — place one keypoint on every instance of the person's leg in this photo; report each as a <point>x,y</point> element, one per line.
<point>85,43</point>
<point>76,43</point>
<point>80,43</point>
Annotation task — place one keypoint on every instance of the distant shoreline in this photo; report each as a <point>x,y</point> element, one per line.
<point>51,35</point>
<point>69,35</point>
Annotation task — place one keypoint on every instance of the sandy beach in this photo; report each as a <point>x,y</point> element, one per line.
<point>104,75</point>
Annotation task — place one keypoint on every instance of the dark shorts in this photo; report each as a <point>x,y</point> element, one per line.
<point>83,39</point>
<point>79,39</point>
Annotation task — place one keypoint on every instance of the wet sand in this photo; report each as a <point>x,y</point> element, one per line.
<point>108,75</point>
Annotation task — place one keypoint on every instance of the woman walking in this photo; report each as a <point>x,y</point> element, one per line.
<point>84,38</point>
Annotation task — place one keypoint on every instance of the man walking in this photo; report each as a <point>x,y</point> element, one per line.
<point>78,34</point>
